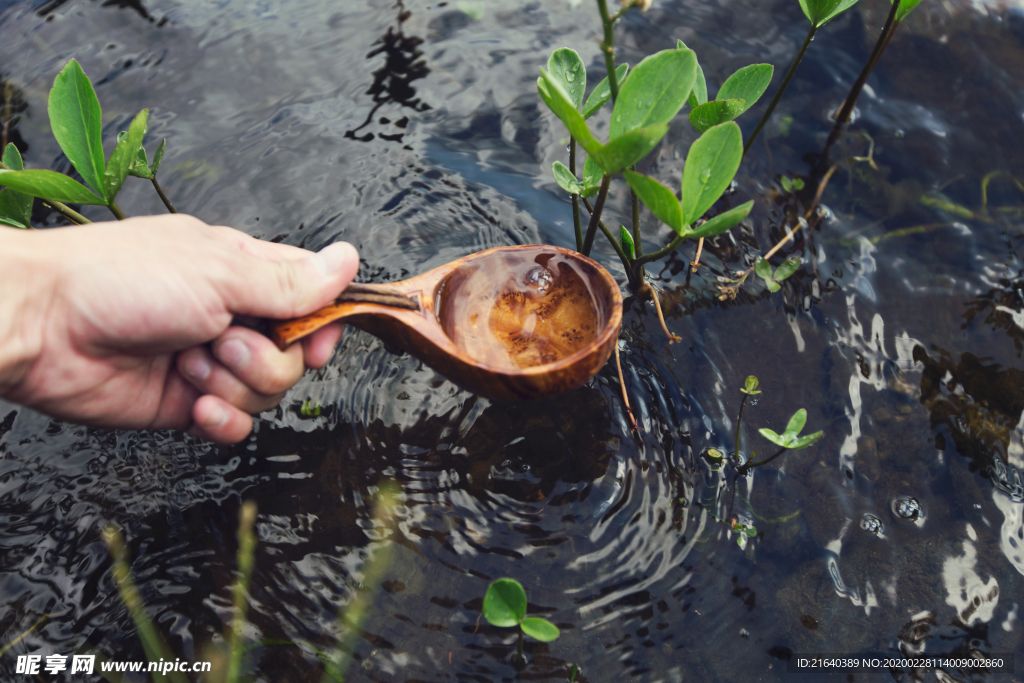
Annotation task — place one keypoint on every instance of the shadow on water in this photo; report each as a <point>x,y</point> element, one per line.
<point>414,131</point>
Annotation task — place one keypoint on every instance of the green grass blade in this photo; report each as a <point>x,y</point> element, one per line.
<point>152,642</point>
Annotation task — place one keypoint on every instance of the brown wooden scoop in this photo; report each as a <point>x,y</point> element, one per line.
<point>508,323</point>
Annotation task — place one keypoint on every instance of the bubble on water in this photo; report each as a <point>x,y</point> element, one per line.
<point>540,278</point>
<point>872,524</point>
<point>705,175</point>
<point>908,508</point>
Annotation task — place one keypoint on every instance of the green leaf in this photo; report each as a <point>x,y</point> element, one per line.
<point>787,184</point>
<point>124,155</point>
<point>796,424</point>
<point>591,177</point>
<point>906,7</point>
<point>627,241</point>
<point>750,386</point>
<point>699,94</point>
<point>748,84</point>
<point>603,92</point>
<point>158,156</point>
<point>722,222</point>
<point>565,179</point>
<point>773,286</point>
<point>76,121</point>
<point>655,91</point>
<point>504,603</point>
<point>659,199</point>
<point>12,158</point>
<point>820,12</point>
<point>541,629</point>
<point>49,185</point>
<point>805,441</point>
<point>16,206</point>
<point>773,437</point>
<point>561,104</point>
<point>787,268</point>
<point>763,268</point>
<point>140,167</point>
<point>10,222</point>
<point>710,166</point>
<point>629,148</point>
<point>750,532</point>
<point>568,69</point>
<point>715,112</point>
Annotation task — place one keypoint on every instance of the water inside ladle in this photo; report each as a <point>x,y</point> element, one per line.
<point>507,323</point>
<point>519,310</point>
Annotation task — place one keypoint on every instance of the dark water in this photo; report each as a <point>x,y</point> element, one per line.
<point>415,132</point>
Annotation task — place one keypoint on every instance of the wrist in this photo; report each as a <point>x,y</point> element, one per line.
<point>25,293</point>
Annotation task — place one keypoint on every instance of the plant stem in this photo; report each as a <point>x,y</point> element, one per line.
<point>782,88</point>
<point>647,289</point>
<point>625,396</point>
<point>743,469</point>
<point>851,99</point>
<point>608,48</point>
<point>163,197</point>
<point>595,217</point>
<point>695,263</point>
<point>739,421</point>
<point>575,197</point>
<point>661,253</point>
<point>876,53</point>
<point>519,654</point>
<point>67,212</point>
<point>637,241</point>
<point>116,210</point>
<point>240,591</point>
<point>615,245</point>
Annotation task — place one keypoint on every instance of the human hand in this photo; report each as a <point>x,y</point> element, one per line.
<point>128,324</point>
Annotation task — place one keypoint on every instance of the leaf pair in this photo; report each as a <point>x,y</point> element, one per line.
<point>791,438</point>
<point>764,271</point>
<point>505,606</point>
<point>76,121</point>
<point>711,164</point>
<point>652,95</point>
<point>739,93</point>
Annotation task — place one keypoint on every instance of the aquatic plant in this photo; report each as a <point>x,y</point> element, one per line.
<point>505,606</point>
<point>643,102</point>
<point>76,121</point>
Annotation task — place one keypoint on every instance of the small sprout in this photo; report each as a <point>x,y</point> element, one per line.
<point>764,271</point>
<point>310,408</point>
<point>790,439</point>
<point>627,242</point>
<point>750,386</point>
<point>505,606</point>
<point>791,184</point>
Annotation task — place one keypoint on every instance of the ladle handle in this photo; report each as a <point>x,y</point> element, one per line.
<point>286,332</point>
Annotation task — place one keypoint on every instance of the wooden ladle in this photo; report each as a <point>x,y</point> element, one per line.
<point>508,323</point>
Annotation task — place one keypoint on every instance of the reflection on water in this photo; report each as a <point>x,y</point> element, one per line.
<point>414,130</point>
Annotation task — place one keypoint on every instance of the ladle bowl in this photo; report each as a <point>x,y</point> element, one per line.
<point>508,323</point>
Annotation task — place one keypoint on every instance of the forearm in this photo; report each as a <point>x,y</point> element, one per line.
<point>24,297</point>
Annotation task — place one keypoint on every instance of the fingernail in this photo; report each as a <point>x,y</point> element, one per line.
<point>331,258</point>
<point>197,367</point>
<point>217,417</point>
<point>233,353</point>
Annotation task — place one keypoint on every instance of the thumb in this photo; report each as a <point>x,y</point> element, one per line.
<point>293,287</point>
